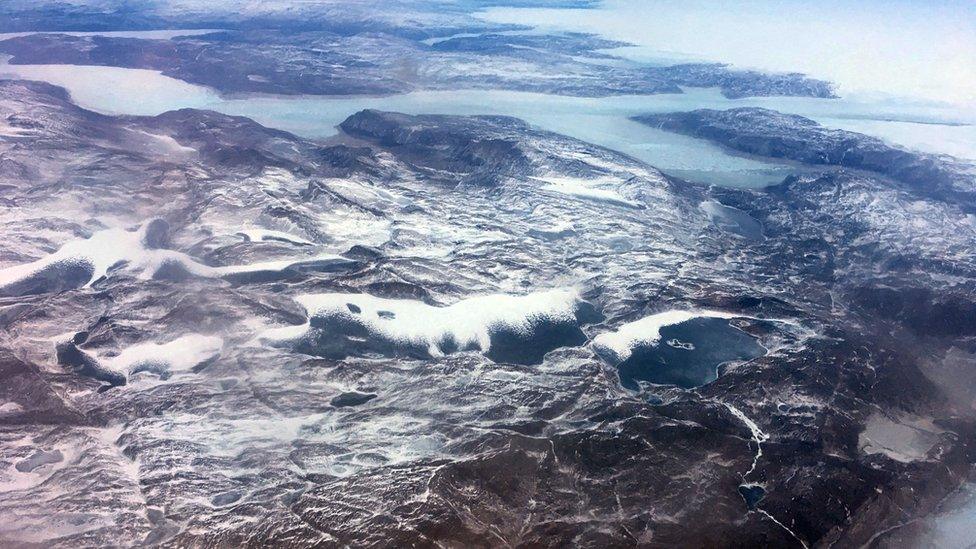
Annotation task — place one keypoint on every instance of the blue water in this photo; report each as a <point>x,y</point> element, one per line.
<point>688,354</point>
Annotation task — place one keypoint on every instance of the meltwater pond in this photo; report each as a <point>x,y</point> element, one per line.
<point>603,121</point>
<point>688,354</point>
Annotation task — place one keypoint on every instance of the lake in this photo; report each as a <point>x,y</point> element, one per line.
<point>688,354</point>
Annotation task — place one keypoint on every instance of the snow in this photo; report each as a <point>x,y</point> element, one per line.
<point>757,435</point>
<point>179,355</point>
<point>6,130</point>
<point>647,330</point>
<point>103,250</point>
<point>117,246</point>
<point>610,166</point>
<point>10,408</point>
<point>266,235</point>
<point>592,189</point>
<point>265,266</point>
<point>167,145</point>
<point>468,321</point>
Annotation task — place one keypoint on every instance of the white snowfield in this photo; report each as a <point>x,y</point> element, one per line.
<point>601,189</point>
<point>115,247</point>
<point>163,359</point>
<point>103,250</point>
<point>468,322</point>
<point>647,331</point>
<point>266,235</point>
<point>179,355</point>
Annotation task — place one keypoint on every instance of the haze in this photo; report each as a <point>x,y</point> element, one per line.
<point>921,50</point>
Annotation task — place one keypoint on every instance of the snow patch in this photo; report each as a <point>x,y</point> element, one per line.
<point>10,408</point>
<point>647,331</point>
<point>179,355</point>
<point>600,189</point>
<point>266,235</point>
<point>174,357</point>
<point>166,144</point>
<point>85,261</point>
<point>467,323</point>
<point>99,253</point>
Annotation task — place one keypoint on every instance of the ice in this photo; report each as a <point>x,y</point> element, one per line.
<point>179,355</point>
<point>593,189</point>
<point>732,220</point>
<point>646,331</point>
<point>468,323</point>
<point>265,235</point>
<point>79,263</point>
<point>38,459</point>
<point>905,439</point>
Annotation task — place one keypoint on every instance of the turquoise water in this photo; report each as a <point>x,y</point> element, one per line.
<point>603,121</point>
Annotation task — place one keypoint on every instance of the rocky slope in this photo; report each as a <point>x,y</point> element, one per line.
<point>769,133</point>
<point>410,335</point>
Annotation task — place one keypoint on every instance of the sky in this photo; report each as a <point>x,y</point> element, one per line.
<point>924,49</point>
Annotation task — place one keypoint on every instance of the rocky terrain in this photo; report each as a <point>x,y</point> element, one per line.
<point>437,330</point>
<point>461,331</point>
<point>416,18</point>
<point>363,57</point>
